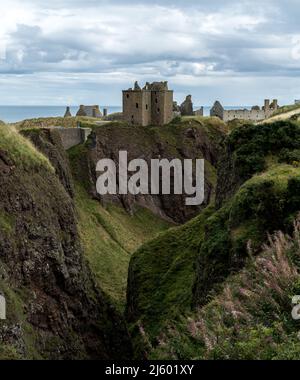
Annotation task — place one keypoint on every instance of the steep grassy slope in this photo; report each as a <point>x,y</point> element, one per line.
<point>54,308</point>
<point>285,113</point>
<point>258,193</point>
<point>251,317</point>
<point>109,234</point>
<point>162,275</point>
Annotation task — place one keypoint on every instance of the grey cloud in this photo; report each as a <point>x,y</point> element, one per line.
<point>100,37</point>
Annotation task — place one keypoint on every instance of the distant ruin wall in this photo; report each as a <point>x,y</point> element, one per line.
<point>73,136</point>
<point>253,115</point>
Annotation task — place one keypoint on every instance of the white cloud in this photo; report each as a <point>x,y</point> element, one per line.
<point>84,44</point>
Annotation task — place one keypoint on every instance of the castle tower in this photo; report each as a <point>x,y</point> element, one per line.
<point>275,104</point>
<point>267,105</point>
<point>137,106</point>
<point>152,105</point>
<point>162,103</point>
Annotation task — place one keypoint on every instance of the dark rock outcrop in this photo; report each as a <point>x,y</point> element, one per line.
<point>54,309</point>
<point>189,140</point>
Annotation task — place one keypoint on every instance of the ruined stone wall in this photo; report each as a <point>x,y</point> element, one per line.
<point>253,115</point>
<point>217,110</point>
<point>72,136</point>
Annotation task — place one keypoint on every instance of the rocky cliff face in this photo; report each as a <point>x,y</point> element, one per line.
<point>54,309</point>
<point>188,139</point>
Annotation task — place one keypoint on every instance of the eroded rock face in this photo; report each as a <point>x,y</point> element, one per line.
<point>54,309</point>
<point>228,178</point>
<point>189,141</point>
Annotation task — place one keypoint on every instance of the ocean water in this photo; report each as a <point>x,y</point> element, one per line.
<point>12,114</point>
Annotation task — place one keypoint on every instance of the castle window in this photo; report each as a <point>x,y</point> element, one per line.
<point>127,96</point>
<point>156,100</point>
<point>137,105</point>
<point>158,110</point>
<point>146,106</point>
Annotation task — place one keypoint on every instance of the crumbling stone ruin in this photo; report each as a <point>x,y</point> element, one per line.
<point>89,111</point>
<point>186,107</point>
<point>68,112</point>
<point>199,112</point>
<point>152,105</point>
<point>217,110</point>
<point>176,108</point>
<point>255,114</point>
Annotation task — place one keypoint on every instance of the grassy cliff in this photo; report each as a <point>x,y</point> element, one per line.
<point>55,308</point>
<point>260,164</point>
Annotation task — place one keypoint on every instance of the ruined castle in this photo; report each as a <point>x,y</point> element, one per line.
<point>150,105</point>
<point>255,114</point>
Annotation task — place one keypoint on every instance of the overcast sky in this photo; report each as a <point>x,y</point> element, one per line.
<point>86,51</point>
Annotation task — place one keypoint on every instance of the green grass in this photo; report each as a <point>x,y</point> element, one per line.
<point>109,236</point>
<point>20,151</point>
<point>164,274</point>
<point>206,250</point>
<point>7,222</point>
<point>286,109</point>
<point>16,299</point>
<point>44,122</point>
<point>250,319</point>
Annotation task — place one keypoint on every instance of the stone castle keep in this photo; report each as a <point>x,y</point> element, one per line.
<point>152,105</point>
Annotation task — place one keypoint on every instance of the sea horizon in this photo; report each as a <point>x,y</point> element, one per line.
<point>16,113</point>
